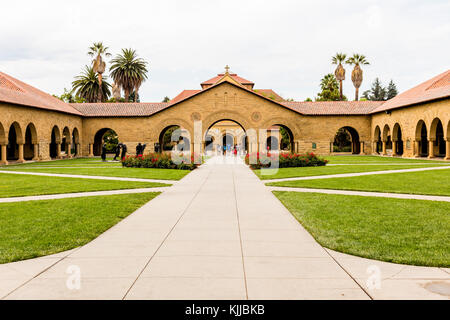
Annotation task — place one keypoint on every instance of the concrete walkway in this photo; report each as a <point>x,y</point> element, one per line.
<point>87,177</point>
<point>218,234</point>
<point>363,193</point>
<point>356,174</point>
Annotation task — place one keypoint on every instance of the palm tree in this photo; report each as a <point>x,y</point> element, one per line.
<point>328,82</point>
<point>129,71</point>
<point>357,73</point>
<point>86,86</point>
<point>97,50</point>
<point>338,59</point>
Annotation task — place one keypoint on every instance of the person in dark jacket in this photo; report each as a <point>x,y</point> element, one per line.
<point>103,155</point>
<point>139,149</point>
<point>117,151</point>
<point>124,152</point>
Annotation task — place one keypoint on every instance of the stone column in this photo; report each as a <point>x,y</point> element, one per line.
<point>394,148</point>
<point>430,149</point>
<point>416,149</point>
<point>91,150</point>
<point>384,149</point>
<point>36,152</point>
<point>21,159</point>
<point>447,150</point>
<point>3,159</point>
<point>69,151</point>
<point>58,151</point>
<point>361,148</point>
<point>77,149</point>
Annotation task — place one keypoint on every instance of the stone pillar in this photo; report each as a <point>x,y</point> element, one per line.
<point>361,148</point>
<point>58,151</point>
<point>384,149</point>
<point>447,150</point>
<point>36,152</point>
<point>91,150</point>
<point>77,149</point>
<point>416,149</point>
<point>3,158</point>
<point>430,149</point>
<point>394,148</point>
<point>69,151</point>
<point>374,147</point>
<point>21,159</point>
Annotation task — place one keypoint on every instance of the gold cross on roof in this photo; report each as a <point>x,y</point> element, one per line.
<point>227,68</point>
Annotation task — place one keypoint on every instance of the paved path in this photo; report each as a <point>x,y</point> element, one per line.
<point>356,174</point>
<point>364,193</point>
<point>217,234</point>
<point>88,177</point>
<point>82,194</point>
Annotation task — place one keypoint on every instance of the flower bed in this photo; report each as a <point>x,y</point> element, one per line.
<point>160,160</point>
<point>285,160</point>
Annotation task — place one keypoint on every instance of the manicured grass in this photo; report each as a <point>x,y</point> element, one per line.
<point>281,173</point>
<point>394,230</point>
<point>16,185</point>
<point>37,228</point>
<point>88,162</point>
<point>434,182</point>
<point>143,173</point>
<point>375,159</point>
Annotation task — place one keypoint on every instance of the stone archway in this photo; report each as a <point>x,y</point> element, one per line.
<point>377,140</point>
<point>107,136</point>
<point>421,142</point>
<point>31,146</point>
<point>347,139</point>
<point>15,143</point>
<point>224,136</point>
<point>387,139</point>
<point>55,143</point>
<point>75,150</point>
<point>173,136</point>
<point>66,142</point>
<point>397,140</point>
<point>437,144</point>
<point>3,145</point>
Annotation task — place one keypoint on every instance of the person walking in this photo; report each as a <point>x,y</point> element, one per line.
<point>103,155</point>
<point>124,152</point>
<point>117,151</point>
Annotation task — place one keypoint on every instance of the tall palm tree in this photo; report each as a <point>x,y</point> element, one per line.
<point>97,50</point>
<point>129,71</point>
<point>86,86</point>
<point>339,59</point>
<point>357,73</point>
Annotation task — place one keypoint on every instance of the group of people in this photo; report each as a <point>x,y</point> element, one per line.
<point>121,150</point>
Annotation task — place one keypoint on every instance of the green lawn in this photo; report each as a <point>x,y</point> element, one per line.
<point>142,173</point>
<point>88,162</point>
<point>281,173</point>
<point>375,159</point>
<point>435,182</point>
<point>16,185</point>
<point>395,230</point>
<point>37,228</point>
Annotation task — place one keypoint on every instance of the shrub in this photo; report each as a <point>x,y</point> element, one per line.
<point>160,160</point>
<point>286,160</point>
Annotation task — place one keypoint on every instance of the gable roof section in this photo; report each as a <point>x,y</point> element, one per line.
<point>433,89</point>
<point>322,108</point>
<point>183,95</point>
<point>270,93</point>
<point>232,75</point>
<point>120,109</point>
<point>17,92</point>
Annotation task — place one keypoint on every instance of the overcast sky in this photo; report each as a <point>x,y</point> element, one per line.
<point>282,45</point>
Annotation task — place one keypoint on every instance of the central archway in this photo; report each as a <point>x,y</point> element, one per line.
<point>225,136</point>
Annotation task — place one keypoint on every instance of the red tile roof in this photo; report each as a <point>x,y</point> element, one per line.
<point>130,109</point>
<point>17,92</point>
<point>333,107</point>
<point>183,95</point>
<point>232,75</point>
<point>433,89</point>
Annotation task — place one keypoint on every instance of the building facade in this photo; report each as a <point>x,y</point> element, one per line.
<point>37,126</point>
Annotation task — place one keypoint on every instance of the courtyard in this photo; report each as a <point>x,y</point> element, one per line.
<point>224,232</point>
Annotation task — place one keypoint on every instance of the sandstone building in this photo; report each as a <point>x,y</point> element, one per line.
<point>36,126</point>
